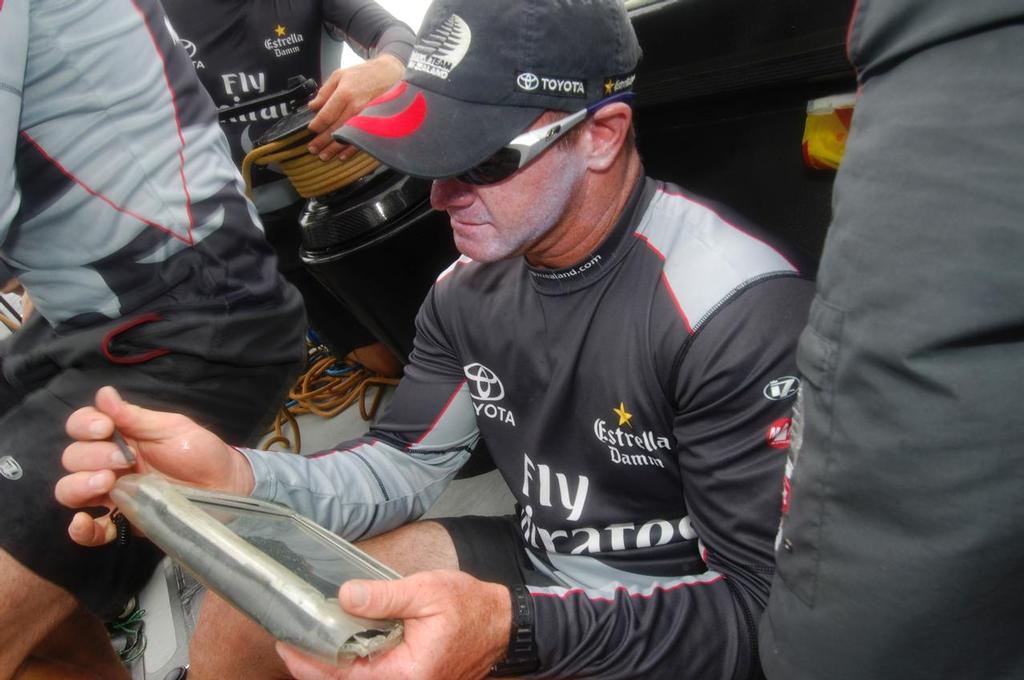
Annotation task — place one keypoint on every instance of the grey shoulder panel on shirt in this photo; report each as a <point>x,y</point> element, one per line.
<point>706,258</point>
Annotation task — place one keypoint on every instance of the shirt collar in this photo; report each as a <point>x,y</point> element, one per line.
<point>603,258</point>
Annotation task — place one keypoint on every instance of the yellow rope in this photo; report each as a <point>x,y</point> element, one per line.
<point>308,174</point>
<point>317,392</point>
<point>326,395</point>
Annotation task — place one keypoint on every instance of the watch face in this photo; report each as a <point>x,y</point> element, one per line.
<point>283,570</point>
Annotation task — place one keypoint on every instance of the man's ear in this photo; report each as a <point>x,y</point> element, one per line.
<point>607,133</point>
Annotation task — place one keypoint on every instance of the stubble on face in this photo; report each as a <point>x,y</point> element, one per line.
<point>507,219</point>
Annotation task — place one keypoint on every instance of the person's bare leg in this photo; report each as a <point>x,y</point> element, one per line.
<point>44,669</point>
<point>376,358</point>
<point>420,546</point>
<point>228,645</point>
<point>38,617</point>
<point>79,648</point>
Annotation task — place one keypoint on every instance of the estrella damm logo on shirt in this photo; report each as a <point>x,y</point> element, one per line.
<point>627,444</point>
<point>284,43</point>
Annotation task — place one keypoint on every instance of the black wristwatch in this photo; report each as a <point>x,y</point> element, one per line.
<point>522,646</point>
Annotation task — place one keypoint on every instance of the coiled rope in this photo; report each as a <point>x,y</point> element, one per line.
<point>327,388</point>
<point>308,174</point>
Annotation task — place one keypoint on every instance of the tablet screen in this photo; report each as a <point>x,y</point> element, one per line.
<point>295,547</point>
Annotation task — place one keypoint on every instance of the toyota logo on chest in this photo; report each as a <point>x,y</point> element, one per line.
<point>484,385</point>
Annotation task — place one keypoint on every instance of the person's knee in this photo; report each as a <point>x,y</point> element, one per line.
<point>30,609</point>
<point>24,594</point>
<point>419,546</point>
<point>227,643</point>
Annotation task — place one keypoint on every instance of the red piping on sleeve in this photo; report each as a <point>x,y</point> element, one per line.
<point>121,209</point>
<point>177,120</point>
<point>668,286</point>
<point>440,415</point>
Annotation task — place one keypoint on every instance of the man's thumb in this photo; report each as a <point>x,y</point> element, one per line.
<point>132,420</point>
<point>378,599</point>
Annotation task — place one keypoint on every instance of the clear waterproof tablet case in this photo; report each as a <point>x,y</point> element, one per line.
<point>281,569</point>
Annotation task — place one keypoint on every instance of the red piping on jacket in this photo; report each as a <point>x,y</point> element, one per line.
<point>129,360</point>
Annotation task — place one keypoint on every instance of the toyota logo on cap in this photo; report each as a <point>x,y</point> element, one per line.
<point>528,81</point>
<point>484,385</point>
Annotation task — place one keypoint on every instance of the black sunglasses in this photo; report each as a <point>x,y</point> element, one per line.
<point>525,148</point>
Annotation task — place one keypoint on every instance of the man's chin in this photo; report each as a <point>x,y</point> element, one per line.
<point>476,251</point>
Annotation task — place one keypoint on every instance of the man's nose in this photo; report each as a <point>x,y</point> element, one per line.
<point>449,193</point>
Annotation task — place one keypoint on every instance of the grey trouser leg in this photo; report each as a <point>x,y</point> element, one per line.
<point>902,553</point>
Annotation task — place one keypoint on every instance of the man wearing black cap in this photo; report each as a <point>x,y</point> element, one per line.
<point>625,351</point>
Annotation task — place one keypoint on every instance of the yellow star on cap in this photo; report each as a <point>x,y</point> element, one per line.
<point>624,416</point>
<point>609,85</point>
<point>280,30</point>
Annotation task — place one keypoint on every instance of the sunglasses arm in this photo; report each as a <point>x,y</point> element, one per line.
<point>532,143</point>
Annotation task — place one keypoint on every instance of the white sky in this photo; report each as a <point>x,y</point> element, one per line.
<point>409,11</point>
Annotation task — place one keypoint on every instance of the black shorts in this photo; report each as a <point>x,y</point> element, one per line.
<point>492,549</point>
<point>235,401</point>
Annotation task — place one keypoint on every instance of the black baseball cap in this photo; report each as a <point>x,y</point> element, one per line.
<point>483,70</point>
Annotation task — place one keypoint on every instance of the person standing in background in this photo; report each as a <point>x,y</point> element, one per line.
<point>242,50</point>
<point>900,556</point>
<point>123,217</point>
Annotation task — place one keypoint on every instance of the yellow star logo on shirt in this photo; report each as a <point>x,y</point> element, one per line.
<point>280,30</point>
<point>609,85</point>
<point>623,414</point>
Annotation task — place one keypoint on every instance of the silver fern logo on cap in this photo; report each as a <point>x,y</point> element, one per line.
<point>441,51</point>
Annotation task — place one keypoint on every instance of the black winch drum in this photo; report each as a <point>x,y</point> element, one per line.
<point>378,247</point>
<point>375,244</point>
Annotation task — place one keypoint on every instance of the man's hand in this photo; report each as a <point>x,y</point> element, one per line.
<point>456,628</point>
<point>14,286</point>
<point>168,443</point>
<point>345,93</point>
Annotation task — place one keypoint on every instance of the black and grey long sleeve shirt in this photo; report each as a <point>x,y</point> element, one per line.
<point>637,404</point>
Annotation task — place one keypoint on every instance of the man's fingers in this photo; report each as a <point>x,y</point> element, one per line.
<point>304,667</point>
<point>84,489</point>
<point>90,532</point>
<point>26,306</point>
<point>335,111</point>
<point>326,90</point>
<point>327,148</point>
<point>101,455</point>
<point>88,423</point>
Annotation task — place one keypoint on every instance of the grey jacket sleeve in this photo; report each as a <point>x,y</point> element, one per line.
<point>13,49</point>
<point>391,475</point>
<point>368,28</point>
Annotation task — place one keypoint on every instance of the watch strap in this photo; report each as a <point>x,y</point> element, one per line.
<point>522,644</point>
